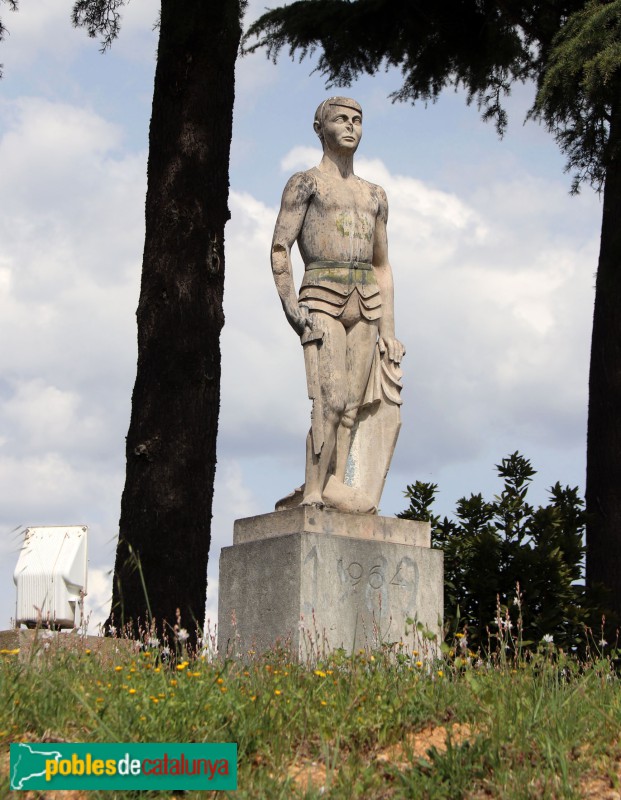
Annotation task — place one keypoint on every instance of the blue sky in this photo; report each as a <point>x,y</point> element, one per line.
<point>493,261</point>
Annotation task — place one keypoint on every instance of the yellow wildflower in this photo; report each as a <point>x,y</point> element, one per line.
<point>320,673</point>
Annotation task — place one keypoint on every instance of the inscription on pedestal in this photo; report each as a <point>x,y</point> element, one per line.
<point>323,591</point>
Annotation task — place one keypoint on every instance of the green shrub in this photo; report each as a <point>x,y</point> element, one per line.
<point>510,567</point>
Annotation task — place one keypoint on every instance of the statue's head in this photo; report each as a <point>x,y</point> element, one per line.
<point>328,108</point>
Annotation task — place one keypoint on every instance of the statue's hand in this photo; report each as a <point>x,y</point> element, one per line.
<point>393,346</point>
<point>299,318</point>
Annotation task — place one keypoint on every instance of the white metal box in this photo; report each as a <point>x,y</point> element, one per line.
<point>51,576</point>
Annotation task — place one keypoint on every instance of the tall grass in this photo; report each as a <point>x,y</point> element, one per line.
<point>382,724</point>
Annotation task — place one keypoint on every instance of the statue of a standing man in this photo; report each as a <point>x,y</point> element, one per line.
<point>345,308</point>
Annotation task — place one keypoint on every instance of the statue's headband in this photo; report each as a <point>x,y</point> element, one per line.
<point>346,102</point>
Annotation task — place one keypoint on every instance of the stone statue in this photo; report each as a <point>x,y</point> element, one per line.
<point>344,314</point>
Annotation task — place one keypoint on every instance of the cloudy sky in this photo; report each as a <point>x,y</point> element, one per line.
<point>493,260</point>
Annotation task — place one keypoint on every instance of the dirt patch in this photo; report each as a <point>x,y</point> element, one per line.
<point>308,775</point>
<point>417,743</point>
<point>597,786</point>
<point>313,775</point>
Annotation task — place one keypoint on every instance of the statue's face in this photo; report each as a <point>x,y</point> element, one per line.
<point>341,129</point>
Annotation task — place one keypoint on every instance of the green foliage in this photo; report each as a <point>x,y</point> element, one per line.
<point>452,43</point>
<point>509,564</point>
<point>100,18</point>
<point>580,89</point>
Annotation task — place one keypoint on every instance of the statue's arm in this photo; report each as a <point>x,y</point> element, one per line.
<point>383,274</point>
<point>295,200</point>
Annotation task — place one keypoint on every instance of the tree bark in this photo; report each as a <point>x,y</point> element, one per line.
<point>165,524</point>
<point>603,484</point>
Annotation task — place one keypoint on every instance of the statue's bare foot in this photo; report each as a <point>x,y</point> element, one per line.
<point>313,499</point>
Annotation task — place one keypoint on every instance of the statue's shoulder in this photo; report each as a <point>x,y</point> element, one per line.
<point>303,183</point>
<point>377,192</point>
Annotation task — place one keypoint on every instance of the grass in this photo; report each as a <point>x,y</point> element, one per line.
<point>372,725</point>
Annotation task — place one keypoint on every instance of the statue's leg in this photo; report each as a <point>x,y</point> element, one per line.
<point>360,348</point>
<point>333,382</point>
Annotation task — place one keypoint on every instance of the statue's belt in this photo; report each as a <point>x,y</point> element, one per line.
<point>364,265</point>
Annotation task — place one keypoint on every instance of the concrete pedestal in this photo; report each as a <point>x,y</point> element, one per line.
<point>316,580</point>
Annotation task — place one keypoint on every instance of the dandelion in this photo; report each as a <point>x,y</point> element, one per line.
<point>182,666</point>
<point>320,673</point>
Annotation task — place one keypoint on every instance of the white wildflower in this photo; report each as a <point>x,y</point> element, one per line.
<point>547,638</point>
<point>182,635</point>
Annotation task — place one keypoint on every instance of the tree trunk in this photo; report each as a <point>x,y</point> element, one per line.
<point>603,485</point>
<point>165,525</point>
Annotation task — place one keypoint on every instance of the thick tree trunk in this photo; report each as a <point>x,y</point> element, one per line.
<point>161,559</point>
<point>603,485</point>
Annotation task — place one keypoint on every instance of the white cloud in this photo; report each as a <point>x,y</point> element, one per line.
<point>300,157</point>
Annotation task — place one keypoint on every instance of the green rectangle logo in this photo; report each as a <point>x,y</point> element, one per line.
<point>101,766</point>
